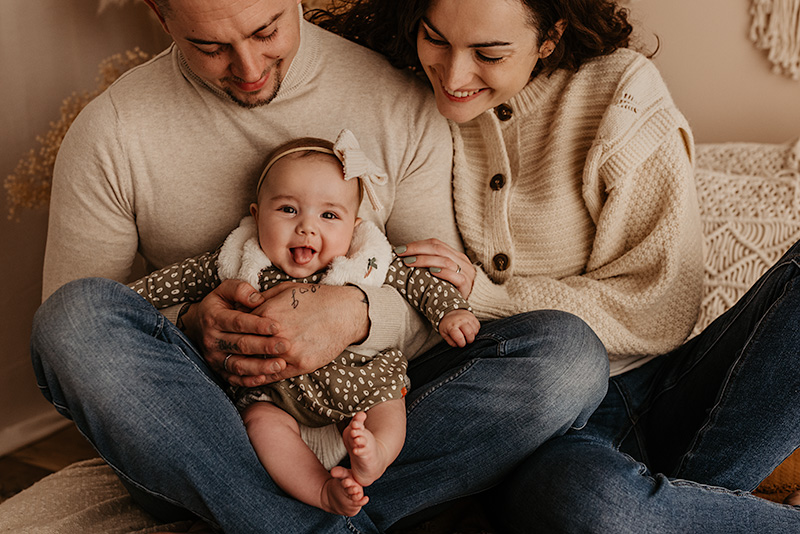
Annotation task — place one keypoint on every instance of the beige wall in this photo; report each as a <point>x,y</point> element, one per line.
<point>721,82</point>
<point>49,48</point>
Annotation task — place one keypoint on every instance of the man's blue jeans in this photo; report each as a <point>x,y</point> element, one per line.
<point>678,444</point>
<point>141,393</point>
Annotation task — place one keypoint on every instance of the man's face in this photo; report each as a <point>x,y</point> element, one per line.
<point>243,47</point>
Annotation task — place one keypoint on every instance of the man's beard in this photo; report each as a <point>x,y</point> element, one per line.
<point>261,101</point>
<point>257,103</point>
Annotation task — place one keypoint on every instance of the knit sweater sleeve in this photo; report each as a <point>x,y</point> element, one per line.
<point>641,288</point>
<point>92,227</point>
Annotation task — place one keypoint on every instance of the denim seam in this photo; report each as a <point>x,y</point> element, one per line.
<point>732,371</point>
<point>350,526</point>
<point>721,334</point>
<point>436,386</point>
<point>634,420</point>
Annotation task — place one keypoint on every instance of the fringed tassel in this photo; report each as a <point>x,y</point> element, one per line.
<point>776,28</point>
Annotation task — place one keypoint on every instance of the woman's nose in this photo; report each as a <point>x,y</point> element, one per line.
<point>458,71</point>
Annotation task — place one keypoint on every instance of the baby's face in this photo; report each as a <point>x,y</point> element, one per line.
<point>306,213</point>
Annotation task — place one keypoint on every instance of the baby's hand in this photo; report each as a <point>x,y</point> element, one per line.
<point>459,327</point>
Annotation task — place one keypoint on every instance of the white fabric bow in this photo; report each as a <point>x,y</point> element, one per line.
<point>356,164</point>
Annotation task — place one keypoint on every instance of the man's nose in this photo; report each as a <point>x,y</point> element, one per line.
<point>248,62</point>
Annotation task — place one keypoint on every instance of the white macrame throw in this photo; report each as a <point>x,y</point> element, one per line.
<point>776,29</point>
<point>750,208</point>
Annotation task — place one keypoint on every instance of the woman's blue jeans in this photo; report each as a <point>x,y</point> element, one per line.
<point>141,393</point>
<point>677,445</point>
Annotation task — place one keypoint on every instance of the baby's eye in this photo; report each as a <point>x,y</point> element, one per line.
<point>287,209</point>
<point>329,215</point>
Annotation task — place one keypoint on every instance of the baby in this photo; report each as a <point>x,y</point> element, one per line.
<point>305,227</point>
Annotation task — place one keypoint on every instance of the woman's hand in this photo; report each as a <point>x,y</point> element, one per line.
<point>442,260</point>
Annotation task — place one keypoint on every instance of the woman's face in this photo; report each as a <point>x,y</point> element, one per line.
<point>476,53</point>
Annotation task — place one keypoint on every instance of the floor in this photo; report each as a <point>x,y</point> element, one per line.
<point>24,467</point>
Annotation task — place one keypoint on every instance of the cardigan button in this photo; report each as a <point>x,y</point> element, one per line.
<point>497,182</point>
<point>501,262</point>
<point>504,112</point>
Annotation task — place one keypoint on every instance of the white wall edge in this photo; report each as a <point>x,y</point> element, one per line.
<point>30,430</point>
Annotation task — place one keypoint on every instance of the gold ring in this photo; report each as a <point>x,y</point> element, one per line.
<point>458,270</point>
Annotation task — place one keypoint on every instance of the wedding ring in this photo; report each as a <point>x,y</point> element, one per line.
<point>225,363</point>
<point>458,270</point>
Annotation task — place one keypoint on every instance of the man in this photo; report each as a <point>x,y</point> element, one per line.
<point>165,163</point>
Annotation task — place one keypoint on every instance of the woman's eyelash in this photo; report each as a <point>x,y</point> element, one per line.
<point>487,59</point>
<point>439,42</point>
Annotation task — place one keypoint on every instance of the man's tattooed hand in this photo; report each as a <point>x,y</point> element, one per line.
<point>227,346</point>
<point>302,291</point>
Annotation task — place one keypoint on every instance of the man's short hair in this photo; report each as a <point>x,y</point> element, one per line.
<point>163,7</point>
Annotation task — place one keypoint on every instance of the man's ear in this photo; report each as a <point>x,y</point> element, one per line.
<point>155,9</point>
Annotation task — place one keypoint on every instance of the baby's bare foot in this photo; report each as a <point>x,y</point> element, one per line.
<point>341,494</point>
<point>368,456</point>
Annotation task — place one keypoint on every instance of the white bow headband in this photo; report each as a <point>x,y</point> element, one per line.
<point>355,164</point>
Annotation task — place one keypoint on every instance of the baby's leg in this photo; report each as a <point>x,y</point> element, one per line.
<point>276,439</point>
<point>375,440</point>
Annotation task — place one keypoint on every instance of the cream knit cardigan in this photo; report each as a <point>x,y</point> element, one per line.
<point>597,213</point>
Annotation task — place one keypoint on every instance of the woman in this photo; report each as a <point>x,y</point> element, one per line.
<point>574,190</point>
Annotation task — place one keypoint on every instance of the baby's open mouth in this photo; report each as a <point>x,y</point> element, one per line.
<point>302,255</point>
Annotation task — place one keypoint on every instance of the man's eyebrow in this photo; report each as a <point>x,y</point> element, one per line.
<point>489,44</point>
<point>259,29</point>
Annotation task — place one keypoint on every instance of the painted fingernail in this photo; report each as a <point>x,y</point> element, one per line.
<point>400,249</point>
<point>435,270</point>
<point>409,260</point>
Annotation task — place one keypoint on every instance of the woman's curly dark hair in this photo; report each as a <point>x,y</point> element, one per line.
<point>593,28</point>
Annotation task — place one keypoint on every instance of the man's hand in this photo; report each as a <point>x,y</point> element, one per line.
<point>292,329</point>
<point>221,325</point>
<point>313,323</point>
